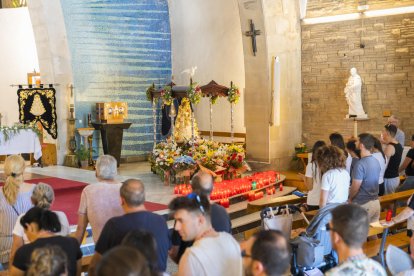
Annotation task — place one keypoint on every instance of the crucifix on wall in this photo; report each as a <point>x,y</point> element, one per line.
<point>253,33</point>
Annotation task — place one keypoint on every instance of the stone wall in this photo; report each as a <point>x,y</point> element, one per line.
<point>385,64</point>
<point>317,8</point>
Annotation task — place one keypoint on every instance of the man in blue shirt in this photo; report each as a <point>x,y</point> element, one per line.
<point>365,175</point>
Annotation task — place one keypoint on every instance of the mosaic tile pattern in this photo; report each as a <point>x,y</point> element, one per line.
<point>119,48</point>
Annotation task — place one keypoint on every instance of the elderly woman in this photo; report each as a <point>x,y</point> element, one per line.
<point>99,201</point>
<point>14,201</point>
<point>42,197</point>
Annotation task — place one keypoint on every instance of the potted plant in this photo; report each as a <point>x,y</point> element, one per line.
<point>82,153</point>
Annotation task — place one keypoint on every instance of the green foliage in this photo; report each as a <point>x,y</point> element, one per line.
<point>82,153</point>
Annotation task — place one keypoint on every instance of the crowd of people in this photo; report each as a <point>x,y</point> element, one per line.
<point>129,240</point>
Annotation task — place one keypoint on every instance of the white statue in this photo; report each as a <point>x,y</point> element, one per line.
<point>353,95</point>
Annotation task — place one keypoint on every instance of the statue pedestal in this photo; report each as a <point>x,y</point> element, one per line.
<point>356,119</point>
<point>111,135</point>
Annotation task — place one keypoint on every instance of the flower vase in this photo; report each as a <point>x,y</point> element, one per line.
<point>167,178</point>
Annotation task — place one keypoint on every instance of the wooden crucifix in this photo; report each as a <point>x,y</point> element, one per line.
<point>253,33</point>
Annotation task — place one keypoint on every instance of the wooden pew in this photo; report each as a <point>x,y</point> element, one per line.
<point>86,260</point>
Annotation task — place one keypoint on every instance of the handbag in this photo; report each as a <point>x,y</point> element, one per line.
<point>281,221</point>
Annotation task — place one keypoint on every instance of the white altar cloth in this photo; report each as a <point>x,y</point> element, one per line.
<point>26,141</point>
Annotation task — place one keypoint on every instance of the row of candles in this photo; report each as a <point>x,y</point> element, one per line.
<point>228,188</point>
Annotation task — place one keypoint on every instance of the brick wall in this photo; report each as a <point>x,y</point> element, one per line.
<point>386,66</point>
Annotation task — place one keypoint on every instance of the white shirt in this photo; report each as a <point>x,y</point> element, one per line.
<point>383,165</point>
<point>336,182</point>
<point>348,164</point>
<point>312,171</point>
<point>212,256</point>
<point>65,229</point>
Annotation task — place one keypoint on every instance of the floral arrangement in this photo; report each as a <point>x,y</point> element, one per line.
<point>9,132</point>
<point>194,93</point>
<point>301,148</point>
<point>184,162</point>
<point>149,92</point>
<point>166,95</point>
<point>213,99</point>
<point>234,94</point>
<point>236,155</point>
<point>164,155</point>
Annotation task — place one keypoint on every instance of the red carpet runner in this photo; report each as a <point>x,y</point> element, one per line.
<point>68,193</point>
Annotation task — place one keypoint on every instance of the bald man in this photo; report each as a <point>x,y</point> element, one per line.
<point>136,218</point>
<point>202,184</point>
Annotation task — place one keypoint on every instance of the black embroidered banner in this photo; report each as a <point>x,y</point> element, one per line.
<point>38,104</point>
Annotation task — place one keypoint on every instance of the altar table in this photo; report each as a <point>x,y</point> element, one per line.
<point>25,141</point>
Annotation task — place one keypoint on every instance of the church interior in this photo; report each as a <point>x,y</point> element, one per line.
<point>239,89</point>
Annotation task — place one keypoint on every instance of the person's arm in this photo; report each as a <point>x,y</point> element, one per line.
<point>389,151</point>
<point>17,243</point>
<point>356,184</point>
<point>81,228</point>
<point>79,267</point>
<point>14,271</point>
<point>405,164</point>
<point>308,181</point>
<point>323,198</point>
<point>187,266</point>
<point>405,214</point>
<point>94,261</point>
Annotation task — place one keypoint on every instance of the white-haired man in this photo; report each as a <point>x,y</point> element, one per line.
<point>99,201</point>
<point>400,136</point>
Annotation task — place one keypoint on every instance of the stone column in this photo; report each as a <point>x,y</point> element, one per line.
<point>54,60</point>
<point>279,23</point>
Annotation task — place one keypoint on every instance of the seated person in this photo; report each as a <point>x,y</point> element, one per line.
<point>40,226</point>
<point>266,253</point>
<point>349,230</point>
<point>99,201</point>
<point>202,184</point>
<point>50,260</point>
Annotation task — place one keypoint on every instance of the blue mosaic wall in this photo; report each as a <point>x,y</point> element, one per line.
<point>119,48</point>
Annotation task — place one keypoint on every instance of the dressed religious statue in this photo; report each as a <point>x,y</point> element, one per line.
<point>353,95</point>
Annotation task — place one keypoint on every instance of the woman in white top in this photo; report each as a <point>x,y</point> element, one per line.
<point>378,153</point>
<point>335,178</point>
<point>14,200</point>
<point>42,197</point>
<point>337,140</point>
<point>312,180</point>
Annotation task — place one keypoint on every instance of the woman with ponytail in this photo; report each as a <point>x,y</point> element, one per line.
<point>42,197</point>
<point>14,201</point>
<point>41,227</point>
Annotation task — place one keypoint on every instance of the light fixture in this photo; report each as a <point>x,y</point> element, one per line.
<point>354,16</point>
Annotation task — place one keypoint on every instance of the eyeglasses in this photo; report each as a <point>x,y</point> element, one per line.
<point>329,227</point>
<point>198,200</point>
<point>244,254</point>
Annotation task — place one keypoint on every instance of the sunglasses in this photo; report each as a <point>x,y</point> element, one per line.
<point>244,254</point>
<point>198,200</point>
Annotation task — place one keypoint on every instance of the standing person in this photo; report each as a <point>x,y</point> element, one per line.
<point>378,153</point>
<point>355,153</point>
<point>99,201</point>
<point>336,139</point>
<point>42,197</point>
<point>202,184</point>
<point>399,135</point>
<point>312,180</point>
<point>14,200</point>
<point>408,167</point>
<point>136,217</point>
<point>213,253</point>
<point>365,177</point>
<point>349,230</point>
<point>335,178</point>
<point>41,226</point>
<point>393,151</point>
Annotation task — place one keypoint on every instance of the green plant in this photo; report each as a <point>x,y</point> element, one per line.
<point>82,153</point>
